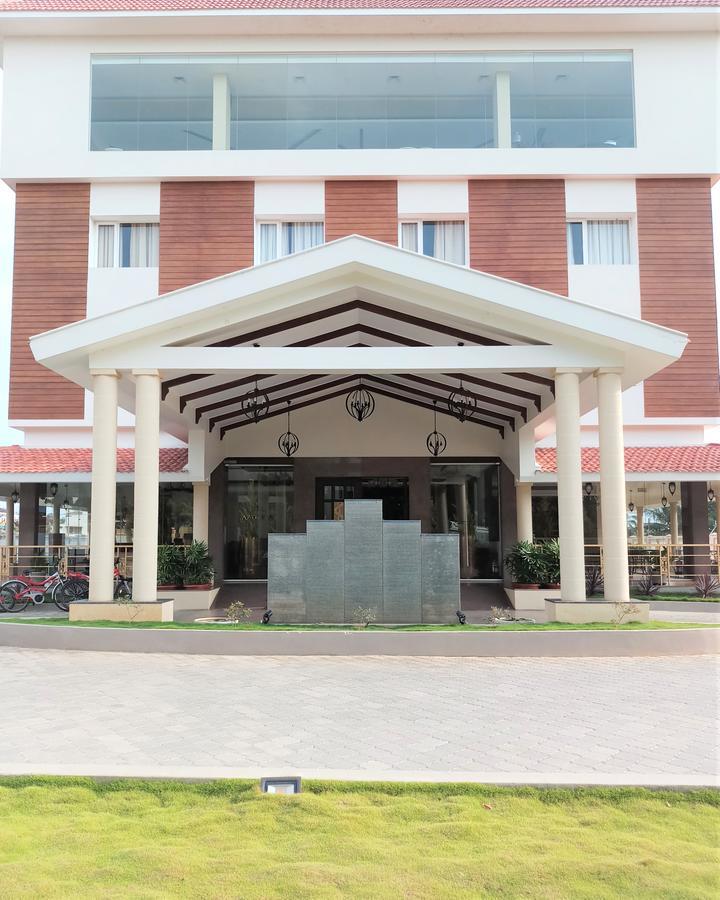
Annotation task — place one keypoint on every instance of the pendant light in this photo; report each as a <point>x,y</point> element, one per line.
<point>255,404</point>
<point>288,442</point>
<point>360,403</point>
<point>664,499</point>
<point>436,441</point>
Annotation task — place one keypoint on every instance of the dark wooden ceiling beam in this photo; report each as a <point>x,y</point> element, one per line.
<point>434,401</point>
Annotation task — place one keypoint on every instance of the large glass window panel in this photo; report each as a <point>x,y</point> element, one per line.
<point>259,502</point>
<point>466,501</point>
<point>360,101</point>
<point>139,245</point>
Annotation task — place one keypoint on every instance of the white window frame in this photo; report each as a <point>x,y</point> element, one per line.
<point>116,223</point>
<point>418,222</point>
<point>604,217</point>
<point>278,223</point>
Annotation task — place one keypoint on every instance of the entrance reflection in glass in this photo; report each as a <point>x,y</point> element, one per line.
<point>259,501</point>
<point>466,500</point>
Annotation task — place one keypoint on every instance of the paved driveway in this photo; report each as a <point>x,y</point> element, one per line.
<point>650,720</point>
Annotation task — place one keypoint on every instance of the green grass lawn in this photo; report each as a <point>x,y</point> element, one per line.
<point>688,597</point>
<point>458,629</point>
<point>82,839</point>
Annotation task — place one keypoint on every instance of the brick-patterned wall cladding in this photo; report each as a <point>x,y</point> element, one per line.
<point>49,290</point>
<point>518,230</point>
<point>206,230</point>
<point>677,286</point>
<point>368,208</point>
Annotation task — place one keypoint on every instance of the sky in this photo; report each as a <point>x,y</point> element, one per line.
<point>7,211</point>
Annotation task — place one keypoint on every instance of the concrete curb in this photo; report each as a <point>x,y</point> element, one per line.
<point>669,642</point>
<point>213,773</point>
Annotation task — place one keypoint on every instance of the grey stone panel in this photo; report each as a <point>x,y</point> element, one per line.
<point>363,557</point>
<point>401,572</point>
<point>286,577</point>
<point>440,577</point>
<point>325,572</point>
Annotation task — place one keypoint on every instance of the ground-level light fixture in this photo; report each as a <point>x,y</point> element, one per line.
<point>255,404</point>
<point>288,442</point>
<point>462,618</point>
<point>280,785</point>
<point>267,615</point>
<point>436,441</point>
<point>360,403</point>
<point>671,487</point>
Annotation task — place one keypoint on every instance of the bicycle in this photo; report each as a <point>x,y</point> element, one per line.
<point>17,593</point>
<point>122,586</point>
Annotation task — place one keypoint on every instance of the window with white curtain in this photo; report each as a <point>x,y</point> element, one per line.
<point>443,240</point>
<point>128,245</point>
<point>599,242</point>
<point>275,239</point>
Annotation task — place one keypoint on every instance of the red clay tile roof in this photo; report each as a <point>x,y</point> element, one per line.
<point>263,5</point>
<point>644,459</point>
<point>17,459</point>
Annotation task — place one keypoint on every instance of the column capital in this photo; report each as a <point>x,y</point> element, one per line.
<point>155,372</point>
<point>569,371</point>
<point>608,370</point>
<point>113,373</point>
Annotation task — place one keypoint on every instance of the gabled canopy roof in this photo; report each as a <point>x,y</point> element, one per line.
<point>357,306</point>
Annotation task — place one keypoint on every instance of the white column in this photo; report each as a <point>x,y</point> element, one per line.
<point>523,502</point>
<point>640,519</point>
<point>201,510</point>
<point>147,483</point>
<point>102,498</point>
<point>674,522</point>
<point>612,486</point>
<point>569,481</point>
<point>503,115</point>
<point>9,521</point>
<point>221,113</point>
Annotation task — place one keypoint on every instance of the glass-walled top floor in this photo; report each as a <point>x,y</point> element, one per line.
<point>358,101</point>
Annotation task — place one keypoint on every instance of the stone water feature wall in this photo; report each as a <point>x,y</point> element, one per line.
<point>322,576</point>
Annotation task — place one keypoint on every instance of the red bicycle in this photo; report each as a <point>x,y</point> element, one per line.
<point>17,593</point>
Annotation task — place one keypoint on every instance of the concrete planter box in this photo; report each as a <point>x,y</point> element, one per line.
<point>580,613</point>
<point>158,611</point>
<point>613,642</point>
<point>531,599</point>
<point>190,599</point>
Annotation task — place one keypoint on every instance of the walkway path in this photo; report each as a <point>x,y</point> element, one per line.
<point>622,720</point>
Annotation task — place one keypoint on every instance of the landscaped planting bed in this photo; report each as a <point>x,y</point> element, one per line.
<point>457,629</point>
<point>153,839</point>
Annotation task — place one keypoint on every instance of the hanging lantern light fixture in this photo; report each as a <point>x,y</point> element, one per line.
<point>664,499</point>
<point>671,488</point>
<point>255,404</point>
<point>436,440</point>
<point>15,496</point>
<point>360,403</point>
<point>588,488</point>
<point>461,404</point>
<point>711,495</point>
<point>288,442</point>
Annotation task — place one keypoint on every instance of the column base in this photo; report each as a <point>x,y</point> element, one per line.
<point>89,611</point>
<point>583,612</point>
<point>524,599</point>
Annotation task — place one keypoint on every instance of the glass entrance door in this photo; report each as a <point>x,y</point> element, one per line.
<point>331,494</point>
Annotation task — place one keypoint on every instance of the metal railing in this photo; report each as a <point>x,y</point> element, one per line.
<point>668,564</point>
<point>41,560</point>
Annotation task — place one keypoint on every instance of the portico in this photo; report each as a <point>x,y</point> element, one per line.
<point>303,331</point>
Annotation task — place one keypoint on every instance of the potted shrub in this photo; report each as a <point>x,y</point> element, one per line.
<point>169,567</point>
<point>522,561</point>
<point>198,572</point>
<point>549,557</point>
